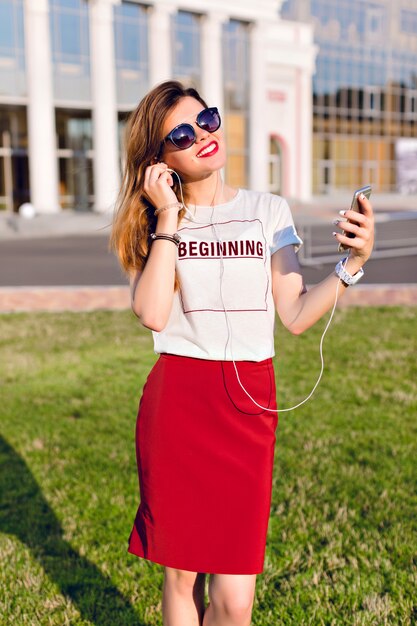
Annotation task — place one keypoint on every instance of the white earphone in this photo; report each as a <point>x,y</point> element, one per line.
<point>188,213</point>
<point>228,325</point>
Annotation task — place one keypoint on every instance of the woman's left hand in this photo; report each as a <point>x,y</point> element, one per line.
<point>363,227</point>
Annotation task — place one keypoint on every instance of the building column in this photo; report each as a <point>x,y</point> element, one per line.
<point>258,134</point>
<point>104,113</point>
<point>212,59</point>
<point>43,166</point>
<point>160,38</point>
<point>305,183</point>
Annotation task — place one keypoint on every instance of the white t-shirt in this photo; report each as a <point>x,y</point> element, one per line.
<point>224,262</point>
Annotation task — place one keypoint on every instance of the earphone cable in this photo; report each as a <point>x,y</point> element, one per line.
<point>228,325</point>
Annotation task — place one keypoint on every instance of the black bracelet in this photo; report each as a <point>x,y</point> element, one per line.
<point>175,238</point>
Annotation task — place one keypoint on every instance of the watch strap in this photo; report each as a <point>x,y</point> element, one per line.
<point>346,278</point>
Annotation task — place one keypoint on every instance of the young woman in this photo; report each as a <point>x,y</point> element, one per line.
<point>207,279</point>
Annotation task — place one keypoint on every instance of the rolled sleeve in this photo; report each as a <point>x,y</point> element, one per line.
<point>284,231</point>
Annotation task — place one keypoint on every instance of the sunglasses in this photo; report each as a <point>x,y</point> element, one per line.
<point>183,136</point>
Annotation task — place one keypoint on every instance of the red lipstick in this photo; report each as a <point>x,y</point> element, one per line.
<point>208,150</point>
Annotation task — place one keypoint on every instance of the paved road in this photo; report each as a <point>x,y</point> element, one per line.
<point>85,260</point>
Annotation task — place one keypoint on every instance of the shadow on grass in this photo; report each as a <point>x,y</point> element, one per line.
<point>25,514</point>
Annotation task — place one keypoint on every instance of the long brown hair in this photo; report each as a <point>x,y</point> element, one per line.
<point>134,219</point>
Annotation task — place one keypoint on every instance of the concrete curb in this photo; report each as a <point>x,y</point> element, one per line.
<point>115,297</point>
<point>71,298</point>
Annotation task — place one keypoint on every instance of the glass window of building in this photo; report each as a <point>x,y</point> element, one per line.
<point>186,44</point>
<point>375,22</point>
<point>12,49</point>
<point>14,163</point>
<point>236,73</point>
<point>408,21</point>
<point>275,166</point>
<point>75,155</point>
<point>70,49</point>
<point>365,88</point>
<point>122,118</point>
<point>411,105</point>
<point>132,52</point>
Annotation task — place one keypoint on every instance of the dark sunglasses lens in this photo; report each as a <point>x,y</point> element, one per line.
<point>209,119</point>
<point>183,137</point>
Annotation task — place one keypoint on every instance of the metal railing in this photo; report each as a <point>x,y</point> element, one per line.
<point>395,236</point>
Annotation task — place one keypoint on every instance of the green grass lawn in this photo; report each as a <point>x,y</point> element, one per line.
<point>342,543</point>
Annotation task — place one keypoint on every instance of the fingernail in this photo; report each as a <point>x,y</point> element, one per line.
<point>342,212</point>
<point>362,197</point>
<point>334,234</point>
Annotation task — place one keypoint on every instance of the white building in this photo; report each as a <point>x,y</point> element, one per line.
<point>364,95</point>
<point>71,70</point>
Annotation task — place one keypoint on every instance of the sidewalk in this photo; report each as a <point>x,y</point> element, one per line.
<point>71,222</point>
<point>67,222</point>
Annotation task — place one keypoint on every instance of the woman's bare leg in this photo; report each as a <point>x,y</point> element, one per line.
<point>183,597</point>
<point>231,599</point>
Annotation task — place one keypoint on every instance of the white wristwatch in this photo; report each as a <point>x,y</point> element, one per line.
<point>346,278</point>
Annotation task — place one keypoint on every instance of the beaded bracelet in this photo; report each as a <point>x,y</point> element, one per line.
<point>175,238</point>
<point>168,206</point>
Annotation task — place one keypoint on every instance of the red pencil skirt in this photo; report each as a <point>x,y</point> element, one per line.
<point>205,455</point>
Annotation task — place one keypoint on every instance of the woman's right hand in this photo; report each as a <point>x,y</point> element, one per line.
<point>157,185</point>
<point>153,289</point>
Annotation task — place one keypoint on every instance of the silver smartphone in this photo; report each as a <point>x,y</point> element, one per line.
<point>355,207</point>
